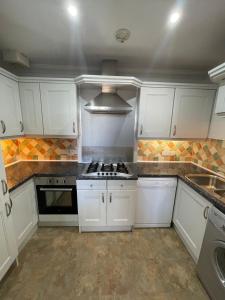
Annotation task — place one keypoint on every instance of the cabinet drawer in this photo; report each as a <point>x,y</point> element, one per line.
<point>91,184</point>
<point>122,184</point>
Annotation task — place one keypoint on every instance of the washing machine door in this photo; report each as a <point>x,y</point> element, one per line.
<point>218,261</point>
<point>211,269</point>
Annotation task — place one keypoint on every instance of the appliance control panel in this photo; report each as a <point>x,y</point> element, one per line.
<point>67,180</point>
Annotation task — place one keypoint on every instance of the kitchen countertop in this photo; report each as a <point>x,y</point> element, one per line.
<point>22,171</point>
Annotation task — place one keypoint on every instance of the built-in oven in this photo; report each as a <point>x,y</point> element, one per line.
<point>57,200</point>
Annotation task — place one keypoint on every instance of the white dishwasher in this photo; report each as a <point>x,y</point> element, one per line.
<point>155,201</point>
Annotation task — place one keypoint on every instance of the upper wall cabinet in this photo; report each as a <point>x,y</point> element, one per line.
<point>220,101</point>
<point>10,112</point>
<point>59,108</point>
<point>30,98</point>
<point>217,126</point>
<point>192,113</point>
<point>156,107</point>
<point>189,112</point>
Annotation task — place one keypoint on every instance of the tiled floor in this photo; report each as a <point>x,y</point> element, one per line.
<point>60,263</point>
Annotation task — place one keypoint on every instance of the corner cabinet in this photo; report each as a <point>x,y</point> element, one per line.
<point>106,205</point>
<point>192,113</point>
<point>190,218</point>
<point>8,247</point>
<point>10,113</point>
<point>155,112</point>
<point>59,108</point>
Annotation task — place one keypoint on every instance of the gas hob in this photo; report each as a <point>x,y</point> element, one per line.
<point>100,169</point>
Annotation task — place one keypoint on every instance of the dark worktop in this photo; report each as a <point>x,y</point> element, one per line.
<point>20,172</point>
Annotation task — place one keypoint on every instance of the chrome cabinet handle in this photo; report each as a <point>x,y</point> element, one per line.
<point>21,126</point>
<point>174,130</point>
<point>103,200</point>
<point>206,212</point>
<point>74,127</point>
<point>141,129</point>
<point>11,203</point>
<point>4,187</point>
<point>3,127</point>
<point>121,185</point>
<point>8,209</point>
<point>110,197</point>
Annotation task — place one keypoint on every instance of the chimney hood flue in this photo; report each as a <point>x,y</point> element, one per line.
<point>108,101</point>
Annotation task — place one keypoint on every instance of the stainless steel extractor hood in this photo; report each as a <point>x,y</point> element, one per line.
<point>108,101</point>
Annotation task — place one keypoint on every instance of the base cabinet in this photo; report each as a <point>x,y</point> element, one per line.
<point>111,208</point>
<point>92,207</point>
<point>8,247</point>
<point>120,208</point>
<point>190,218</point>
<point>24,212</point>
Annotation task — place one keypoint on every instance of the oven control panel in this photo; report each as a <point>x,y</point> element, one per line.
<point>67,180</point>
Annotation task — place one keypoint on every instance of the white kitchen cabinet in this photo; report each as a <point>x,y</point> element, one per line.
<point>30,99</point>
<point>155,201</point>
<point>59,108</point>
<point>192,113</point>
<point>220,100</point>
<point>190,218</point>
<point>120,207</point>
<point>92,207</point>
<point>155,112</point>
<point>24,212</point>
<point>107,209</point>
<point>8,247</point>
<point>10,112</point>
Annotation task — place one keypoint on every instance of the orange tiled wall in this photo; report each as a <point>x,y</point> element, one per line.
<point>208,153</point>
<point>38,149</point>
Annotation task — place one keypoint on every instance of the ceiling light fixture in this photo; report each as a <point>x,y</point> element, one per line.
<point>174,17</point>
<point>72,10</point>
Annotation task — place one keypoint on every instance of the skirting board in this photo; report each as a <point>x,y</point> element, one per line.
<point>152,225</point>
<point>104,228</point>
<point>58,220</point>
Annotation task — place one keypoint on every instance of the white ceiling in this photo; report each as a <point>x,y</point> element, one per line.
<point>43,30</point>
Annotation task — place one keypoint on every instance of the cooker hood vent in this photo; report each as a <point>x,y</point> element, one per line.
<point>108,101</point>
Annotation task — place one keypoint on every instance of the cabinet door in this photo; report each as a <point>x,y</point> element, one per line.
<point>91,207</point>
<point>192,113</point>
<point>8,247</point>
<point>10,112</point>
<point>120,208</point>
<point>30,99</point>
<point>156,106</point>
<point>24,212</point>
<point>59,108</point>
<point>220,101</point>
<point>190,218</point>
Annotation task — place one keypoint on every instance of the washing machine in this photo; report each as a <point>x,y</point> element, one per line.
<point>211,263</point>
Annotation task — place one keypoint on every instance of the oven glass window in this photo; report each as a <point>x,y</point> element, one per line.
<point>58,199</point>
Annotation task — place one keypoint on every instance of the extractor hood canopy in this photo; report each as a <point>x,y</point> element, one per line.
<point>108,101</point>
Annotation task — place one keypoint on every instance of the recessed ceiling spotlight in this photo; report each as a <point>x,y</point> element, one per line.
<point>72,10</point>
<point>122,35</point>
<point>174,17</point>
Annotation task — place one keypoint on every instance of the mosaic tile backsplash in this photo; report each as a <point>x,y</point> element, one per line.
<point>38,149</point>
<point>208,153</point>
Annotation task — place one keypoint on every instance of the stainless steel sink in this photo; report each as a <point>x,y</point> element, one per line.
<point>211,182</point>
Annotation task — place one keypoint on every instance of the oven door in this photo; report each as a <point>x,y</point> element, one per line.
<point>57,199</point>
